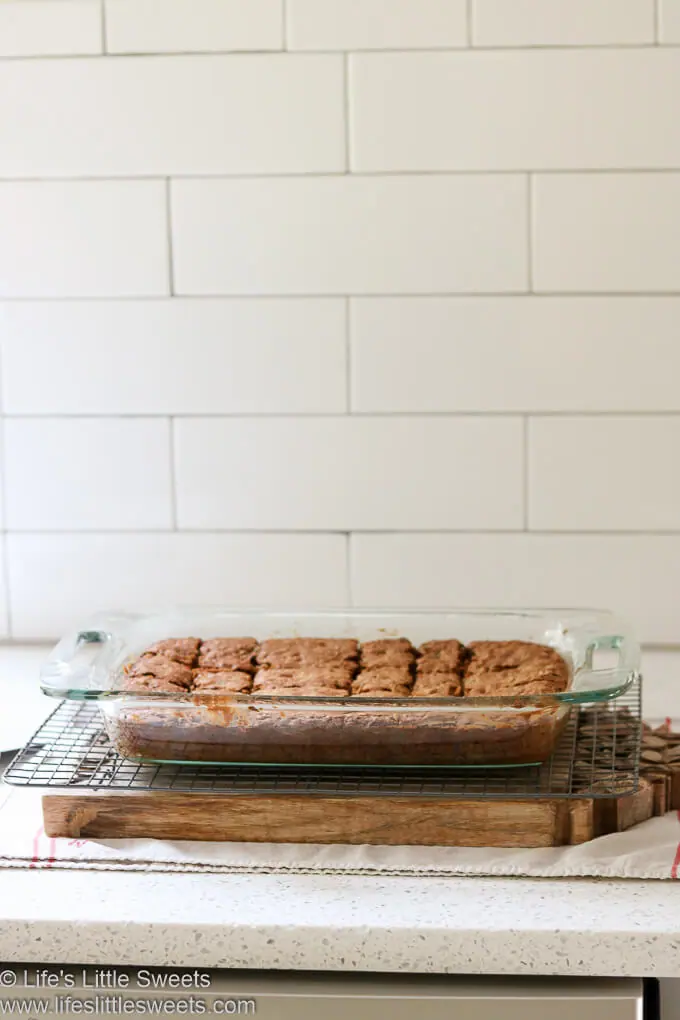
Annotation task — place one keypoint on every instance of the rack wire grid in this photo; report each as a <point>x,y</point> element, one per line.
<point>598,756</point>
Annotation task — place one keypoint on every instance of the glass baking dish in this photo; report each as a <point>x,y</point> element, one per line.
<point>602,656</point>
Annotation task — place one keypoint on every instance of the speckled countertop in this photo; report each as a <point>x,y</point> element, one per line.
<point>463,926</point>
<point>454,926</point>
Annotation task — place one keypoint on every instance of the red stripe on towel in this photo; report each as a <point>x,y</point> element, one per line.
<point>53,853</point>
<point>676,863</point>
<point>36,848</point>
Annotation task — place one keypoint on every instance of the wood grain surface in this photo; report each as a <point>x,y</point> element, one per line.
<point>381,821</point>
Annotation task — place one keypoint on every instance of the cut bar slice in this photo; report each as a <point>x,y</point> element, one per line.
<point>514,683</point>
<point>437,685</point>
<point>151,685</point>
<point>447,654</point>
<point>514,668</point>
<point>182,650</point>
<point>381,691</point>
<point>308,676</point>
<point>228,653</point>
<point>288,652</point>
<point>387,652</point>
<point>383,681</point>
<point>300,691</point>
<point>160,668</point>
<point>228,681</point>
<point>500,655</point>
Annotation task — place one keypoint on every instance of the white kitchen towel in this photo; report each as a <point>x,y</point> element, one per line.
<point>650,850</point>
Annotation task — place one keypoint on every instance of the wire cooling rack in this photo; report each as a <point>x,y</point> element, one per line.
<point>598,756</point>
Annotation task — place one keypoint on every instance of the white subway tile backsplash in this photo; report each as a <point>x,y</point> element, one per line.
<point>184,26</point>
<point>562,22</point>
<point>669,21</point>
<point>635,575</point>
<point>604,474</point>
<point>87,474</point>
<point>59,581</point>
<point>174,356</point>
<point>514,110</point>
<point>4,599</point>
<point>607,232</point>
<point>345,473</point>
<point>515,354</point>
<point>172,115</point>
<point>661,690</point>
<point>50,27</point>
<point>344,235</point>
<point>83,239</point>
<point>471,240</point>
<point>375,24</point>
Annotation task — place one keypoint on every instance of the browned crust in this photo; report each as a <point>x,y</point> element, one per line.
<point>182,650</point>
<point>308,690</point>
<point>497,668</point>
<point>438,685</point>
<point>443,668</point>
<point>382,677</point>
<point>286,652</point>
<point>450,654</point>
<point>226,681</point>
<point>152,685</point>
<point>300,678</point>
<point>501,655</point>
<point>387,652</point>
<point>228,654</point>
<point>383,681</point>
<point>157,667</point>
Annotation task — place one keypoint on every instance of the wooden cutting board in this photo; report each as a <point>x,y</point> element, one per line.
<point>387,820</point>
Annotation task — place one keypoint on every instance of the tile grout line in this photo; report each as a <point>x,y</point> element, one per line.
<point>395,295</point>
<point>348,569</point>
<point>284,25</point>
<point>472,173</point>
<point>269,52</point>
<point>104,28</point>
<point>492,413</point>
<point>530,232</point>
<point>525,471</point>
<point>168,227</point>
<point>173,478</point>
<point>349,403</point>
<point>452,172</point>
<point>656,18</point>
<point>346,112</point>
<point>219,532</point>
